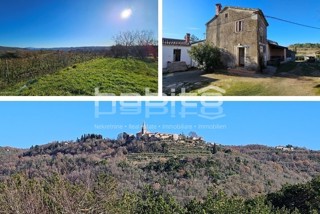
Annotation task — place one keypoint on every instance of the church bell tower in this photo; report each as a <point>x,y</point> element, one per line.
<point>144,128</point>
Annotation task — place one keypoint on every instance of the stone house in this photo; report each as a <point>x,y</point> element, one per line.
<point>285,149</point>
<point>241,34</point>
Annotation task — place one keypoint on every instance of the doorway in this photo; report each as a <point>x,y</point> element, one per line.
<point>177,55</point>
<point>241,57</point>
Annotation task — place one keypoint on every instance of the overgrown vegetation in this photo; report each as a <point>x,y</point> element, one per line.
<point>108,75</point>
<point>99,194</point>
<point>206,56</point>
<point>182,174</point>
<point>16,66</point>
<point>300,68</point>
<point>286,67</point>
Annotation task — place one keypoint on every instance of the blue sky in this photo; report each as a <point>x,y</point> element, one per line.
<point>182,16</point>
<point>237,123</point>
<point>65,23</point>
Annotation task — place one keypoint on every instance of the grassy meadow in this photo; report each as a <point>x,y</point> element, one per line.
<point>110,75</point>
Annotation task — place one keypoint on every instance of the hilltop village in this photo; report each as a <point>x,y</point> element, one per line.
<point>145,135</point>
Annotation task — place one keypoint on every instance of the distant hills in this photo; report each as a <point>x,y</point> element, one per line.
<point>306,49</point>
<point>153,175</point>
<point>5,49</point>
<point>85,48</point>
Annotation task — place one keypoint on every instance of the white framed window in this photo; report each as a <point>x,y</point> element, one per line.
<point>239,26</point>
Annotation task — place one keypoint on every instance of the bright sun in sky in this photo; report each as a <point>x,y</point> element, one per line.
<point>126,13</point>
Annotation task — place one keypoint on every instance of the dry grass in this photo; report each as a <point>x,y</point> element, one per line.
<point>266,86</point>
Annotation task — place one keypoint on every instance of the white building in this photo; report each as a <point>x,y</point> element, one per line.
<point>176,50</point>
<point>284,148</point>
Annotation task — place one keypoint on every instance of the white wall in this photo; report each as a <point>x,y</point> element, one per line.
<point>168,54</point>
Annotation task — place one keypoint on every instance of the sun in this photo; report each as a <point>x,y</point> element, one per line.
<point>125,14</point>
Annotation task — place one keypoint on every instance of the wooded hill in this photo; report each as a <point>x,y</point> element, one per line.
<point>306,49</point>
<point>185,175</point>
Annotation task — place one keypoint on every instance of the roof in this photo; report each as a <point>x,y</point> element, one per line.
<point>275,45</point>
<point>196,42</point>
<point>272,42</point>
<point>175,42</point>
<point>255,10</point>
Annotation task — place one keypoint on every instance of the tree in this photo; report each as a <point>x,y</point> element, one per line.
<point>214,149</point>
<point>151,201</point>
<point>206,56</point>
<point>124,40</point>
<point>304,197</point>
<point>193,134</point>
<point>194,38</point>
<point>134,43</point>
<point>145,44</point>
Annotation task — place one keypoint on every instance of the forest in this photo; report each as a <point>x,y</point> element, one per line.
<point>93,174</point>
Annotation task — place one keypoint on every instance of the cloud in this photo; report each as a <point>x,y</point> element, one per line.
<point>193,28</point>
<point>170,34</point>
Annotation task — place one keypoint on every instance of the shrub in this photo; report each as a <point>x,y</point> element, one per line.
<point>206,56</point>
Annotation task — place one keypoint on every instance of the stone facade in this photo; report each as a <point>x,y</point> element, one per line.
<point>241,34</point>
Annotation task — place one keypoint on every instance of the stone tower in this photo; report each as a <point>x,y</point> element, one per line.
<point>144,129</point>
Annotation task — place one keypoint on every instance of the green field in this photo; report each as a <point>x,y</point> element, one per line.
<point>110,75</point>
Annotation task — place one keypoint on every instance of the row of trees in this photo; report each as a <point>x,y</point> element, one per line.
<point>140,44</point>
<point>305,45</point>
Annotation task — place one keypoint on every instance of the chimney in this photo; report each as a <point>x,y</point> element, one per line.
<point>218,8</point>
<point>187,38</point>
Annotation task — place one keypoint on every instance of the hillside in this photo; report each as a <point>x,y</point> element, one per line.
<point>184,171</point>
<point>110,75</point>
<point>4,49</point>
<point>307,49</point>
<point>184,168</point>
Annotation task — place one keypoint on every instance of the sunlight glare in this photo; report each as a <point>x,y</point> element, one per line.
<point>126,13</point>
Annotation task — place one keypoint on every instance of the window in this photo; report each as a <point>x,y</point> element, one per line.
<point>226,15</point>
<point>261,31</point>
<point>239,26</point>
<point>177,55</point>
<point>261,49</point>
